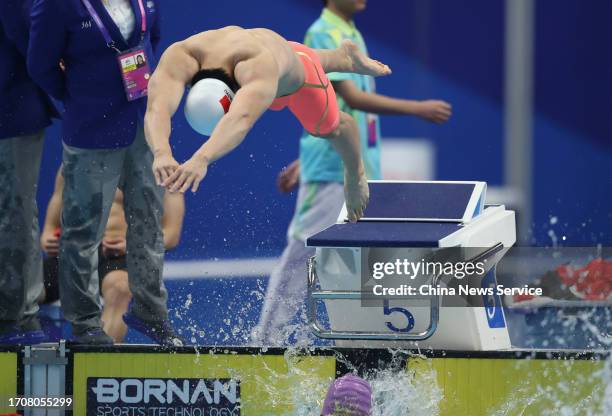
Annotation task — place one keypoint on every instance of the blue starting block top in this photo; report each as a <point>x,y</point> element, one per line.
<point>383,234</point>
<point>395,200</point>
<point>407,214</point>
<point>429,201</point>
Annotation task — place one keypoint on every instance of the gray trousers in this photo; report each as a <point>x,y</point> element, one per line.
<point>91,178</point>
<point>318,206</point>
<point>21,279</point>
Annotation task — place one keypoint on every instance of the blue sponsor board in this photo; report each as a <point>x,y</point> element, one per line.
<point>108,396</point>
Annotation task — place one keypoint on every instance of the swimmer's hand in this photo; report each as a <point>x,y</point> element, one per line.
<point>289,177</point>
<point>436,111</point>
<point>50,243</point>
<point>188,175</point>
<point>164,166</point>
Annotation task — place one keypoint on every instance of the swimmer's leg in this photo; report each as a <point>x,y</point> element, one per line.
<point>348,58</point>
<point>117,297</point>
<point>345,140</point>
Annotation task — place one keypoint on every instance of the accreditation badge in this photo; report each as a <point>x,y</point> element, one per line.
<point>372,130</point>
<point>135,71</point>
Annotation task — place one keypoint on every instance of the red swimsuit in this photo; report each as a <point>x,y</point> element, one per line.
<point>314,104</point>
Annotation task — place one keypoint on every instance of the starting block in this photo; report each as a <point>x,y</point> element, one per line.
<point>412,221</point>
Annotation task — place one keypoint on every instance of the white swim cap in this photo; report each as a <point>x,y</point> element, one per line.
<point>208,100</point>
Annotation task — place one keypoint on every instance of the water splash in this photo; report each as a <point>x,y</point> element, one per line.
<point>606,376</point>
<point>553,238</point>
<point>564,390</point>
<point>606,373</point>
<point>406,393</point>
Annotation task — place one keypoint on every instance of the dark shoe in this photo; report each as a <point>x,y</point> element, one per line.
<point>159,331</point>
<point>93,336</point>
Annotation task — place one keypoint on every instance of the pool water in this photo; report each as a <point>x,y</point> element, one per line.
<point>226,310</point>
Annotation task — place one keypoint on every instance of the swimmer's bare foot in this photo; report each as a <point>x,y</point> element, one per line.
<point>360,63</point>
<point>356,194</point>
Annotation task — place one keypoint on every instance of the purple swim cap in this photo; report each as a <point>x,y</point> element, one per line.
<point>348,396</point>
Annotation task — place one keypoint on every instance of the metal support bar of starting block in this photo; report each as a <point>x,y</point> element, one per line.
<point>45,375</point>
<point>319,331</point>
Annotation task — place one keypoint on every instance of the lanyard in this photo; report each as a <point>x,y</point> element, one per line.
<point>107,37</point>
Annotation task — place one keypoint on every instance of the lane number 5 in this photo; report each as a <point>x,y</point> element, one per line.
<point>409,318</point>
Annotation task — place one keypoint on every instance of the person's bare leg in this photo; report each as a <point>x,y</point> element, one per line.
<point>348,58</point>
<point>345,140</point>
<point>117,296</point>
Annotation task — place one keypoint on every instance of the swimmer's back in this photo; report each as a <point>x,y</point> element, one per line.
<point>225,47</point>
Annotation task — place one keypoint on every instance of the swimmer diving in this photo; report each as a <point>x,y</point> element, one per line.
<point>243,73</point>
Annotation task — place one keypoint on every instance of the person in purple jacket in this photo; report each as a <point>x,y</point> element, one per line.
<point>25,112</point>
<point>103,90</point>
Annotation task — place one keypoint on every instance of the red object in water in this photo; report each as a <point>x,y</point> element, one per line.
<point>523,298</point>
<point>593,281</point>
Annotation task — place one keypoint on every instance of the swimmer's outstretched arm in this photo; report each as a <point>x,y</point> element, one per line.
<point>259,80</point>
<point>166,88</point>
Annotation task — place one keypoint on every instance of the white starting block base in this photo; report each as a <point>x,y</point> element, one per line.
<point>459,327</point>
<point>343,251</point>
